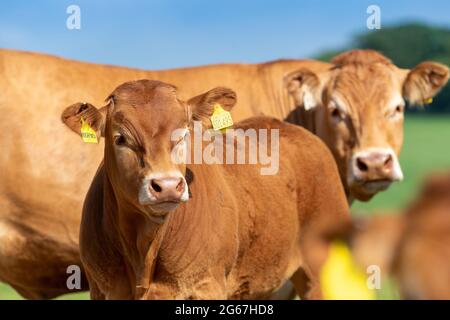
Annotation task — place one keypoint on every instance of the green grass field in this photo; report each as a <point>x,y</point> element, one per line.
<point>426,149</point>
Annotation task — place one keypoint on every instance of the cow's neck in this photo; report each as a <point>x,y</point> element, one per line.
<point>273,99</point>
<point>313,121</point>
<point>147,246</point>
<point>131,231</point>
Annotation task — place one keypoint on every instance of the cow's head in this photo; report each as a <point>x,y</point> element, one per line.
<point>358,107</point>
<point>144,124</point>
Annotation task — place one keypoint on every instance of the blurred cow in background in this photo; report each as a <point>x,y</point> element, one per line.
<point>412,247</point>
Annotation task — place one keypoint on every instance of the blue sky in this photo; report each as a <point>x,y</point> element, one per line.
<point>162,34</point>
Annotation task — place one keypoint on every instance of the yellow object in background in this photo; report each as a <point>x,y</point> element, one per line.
<point>428,101</point>
<point>341,278</point>
<point>87,133</point>
<point>221,119</point>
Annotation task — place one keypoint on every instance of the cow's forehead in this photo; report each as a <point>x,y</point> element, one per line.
<point>150,107</point>
<point>359,82</point>
<point>143,91</point>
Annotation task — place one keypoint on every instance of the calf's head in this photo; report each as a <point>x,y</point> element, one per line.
<point>144,124</point>
<point>358,107</point>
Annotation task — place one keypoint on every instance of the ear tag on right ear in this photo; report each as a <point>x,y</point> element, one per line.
<point>221,119</point>
<point>87,133</point>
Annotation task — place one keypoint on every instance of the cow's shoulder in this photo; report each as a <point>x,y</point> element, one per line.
<point>305,153</point>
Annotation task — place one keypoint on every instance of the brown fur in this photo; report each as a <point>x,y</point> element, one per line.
<point>240,236</point>
<point>359,57</point>
<point>411,246</point>
<point>422,261</point>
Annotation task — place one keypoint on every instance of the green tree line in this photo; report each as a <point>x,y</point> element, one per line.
<point>407,45</point>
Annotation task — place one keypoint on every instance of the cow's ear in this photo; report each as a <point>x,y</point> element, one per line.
<point>424,82</point>
<point>202,106</point>
<point>304,86</point>
<point>73,116</point>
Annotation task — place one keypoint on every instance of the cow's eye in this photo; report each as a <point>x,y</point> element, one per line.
<point>398,110</point>
<point>337,114</point>
<point>120,140</point>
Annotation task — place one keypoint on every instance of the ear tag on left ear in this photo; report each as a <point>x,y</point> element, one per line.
<point>87,133</point>
<point>428,101</point>
<point>341,278</point>
<point>221,119</point>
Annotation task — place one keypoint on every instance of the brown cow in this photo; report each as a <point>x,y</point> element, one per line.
<point>40,176</point>
<point>356,107</point>
<point>422,261</point>
<point>411,246</point>
<point>241,235</point>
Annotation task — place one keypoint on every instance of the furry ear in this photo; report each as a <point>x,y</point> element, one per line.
<point>202,106</point>
<point>304,86</point>
<point>73,114</point>
<point>424,82</point>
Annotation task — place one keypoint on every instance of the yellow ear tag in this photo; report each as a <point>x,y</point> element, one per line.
<point>341,278</point>
<point>87,133</point>
<point>428,101</point>
<point>221,119</point>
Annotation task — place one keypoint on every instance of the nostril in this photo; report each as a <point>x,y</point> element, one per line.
<point>388,161</point>
<point>180,186</point>
<point>155,186</point>
<point>361,165</point>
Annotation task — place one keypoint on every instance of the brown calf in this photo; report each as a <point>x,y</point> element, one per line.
<point>240,235</point>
